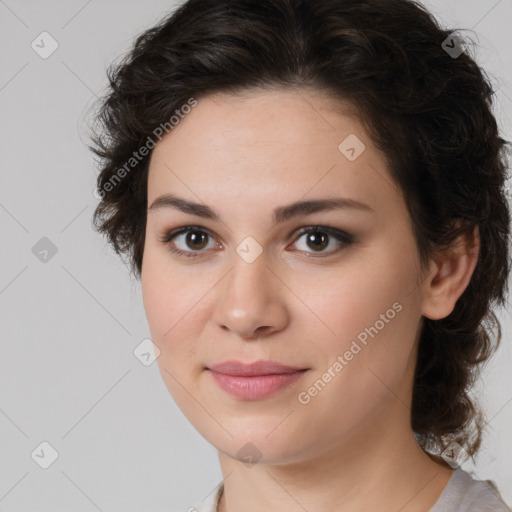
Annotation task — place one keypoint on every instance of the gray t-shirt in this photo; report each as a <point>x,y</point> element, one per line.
<point>461,494</point>
<point>464,494</point>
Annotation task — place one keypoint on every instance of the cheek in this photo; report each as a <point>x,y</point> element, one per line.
<point>166,302</point>
<point>168,294</point>
<point>169,299</point>
<point>352,297</point>
<point>372,319</point>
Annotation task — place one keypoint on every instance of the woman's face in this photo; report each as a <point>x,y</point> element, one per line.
<point>256,282</point>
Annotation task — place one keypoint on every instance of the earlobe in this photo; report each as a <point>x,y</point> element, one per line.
<point>449,276</point>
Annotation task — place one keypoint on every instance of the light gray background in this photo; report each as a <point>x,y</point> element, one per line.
<point>69,326</point>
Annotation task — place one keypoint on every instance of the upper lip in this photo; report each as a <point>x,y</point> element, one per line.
<point>251,369</point>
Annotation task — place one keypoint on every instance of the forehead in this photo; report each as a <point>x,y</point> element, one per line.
<point>280,142</point>
<point>272,117</point>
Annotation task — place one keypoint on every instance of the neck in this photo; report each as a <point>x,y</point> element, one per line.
<point>377,469</point>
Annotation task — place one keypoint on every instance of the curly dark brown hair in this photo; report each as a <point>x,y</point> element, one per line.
<point>428,109</point>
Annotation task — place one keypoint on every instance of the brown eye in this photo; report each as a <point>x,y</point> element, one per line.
<point>190,241</point>
<point>196,239</point>
<point>318,238</point>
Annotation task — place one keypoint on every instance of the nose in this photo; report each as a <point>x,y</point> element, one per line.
<point>251,300</point>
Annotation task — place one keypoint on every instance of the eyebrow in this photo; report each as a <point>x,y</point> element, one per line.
<point>279,215</point>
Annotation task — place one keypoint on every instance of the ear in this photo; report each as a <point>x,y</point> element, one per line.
<point>449,274</point>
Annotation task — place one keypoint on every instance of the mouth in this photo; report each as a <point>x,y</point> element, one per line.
<point>254,381</point>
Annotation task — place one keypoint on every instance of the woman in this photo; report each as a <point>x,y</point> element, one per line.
<point>312,194</point>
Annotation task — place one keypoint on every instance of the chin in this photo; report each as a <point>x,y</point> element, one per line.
<point>256,441</point>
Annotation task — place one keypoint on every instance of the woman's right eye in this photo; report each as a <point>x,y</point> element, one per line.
<point>192,240</point>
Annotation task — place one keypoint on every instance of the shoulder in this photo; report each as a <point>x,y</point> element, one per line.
<point>461,494</point>
<point>209,504</point>
<point>464,494</point>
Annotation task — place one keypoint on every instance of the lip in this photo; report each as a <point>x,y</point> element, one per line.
<point>256,368</point>
<point>254,381</point>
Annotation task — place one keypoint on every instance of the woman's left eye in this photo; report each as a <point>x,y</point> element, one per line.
<point>194,239</point>
<point>319,238</point>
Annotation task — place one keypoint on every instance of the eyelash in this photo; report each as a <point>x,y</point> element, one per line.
<point>344,238</point>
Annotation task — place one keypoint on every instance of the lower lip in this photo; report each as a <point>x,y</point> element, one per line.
<point>254,387</point>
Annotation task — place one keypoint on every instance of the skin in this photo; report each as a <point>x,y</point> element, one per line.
<point>351,447</point>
